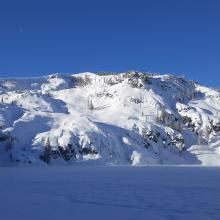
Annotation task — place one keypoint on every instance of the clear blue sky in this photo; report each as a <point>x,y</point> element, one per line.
<point>40,37</point>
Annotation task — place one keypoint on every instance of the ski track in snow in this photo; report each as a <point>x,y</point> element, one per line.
<point>110,192</point>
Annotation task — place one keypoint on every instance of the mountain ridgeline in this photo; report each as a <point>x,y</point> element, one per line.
<point>130,118</point>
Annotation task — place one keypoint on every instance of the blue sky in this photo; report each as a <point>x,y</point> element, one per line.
<point>39,37</point>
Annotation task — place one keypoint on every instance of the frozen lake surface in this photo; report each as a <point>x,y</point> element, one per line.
<point>110,192</point>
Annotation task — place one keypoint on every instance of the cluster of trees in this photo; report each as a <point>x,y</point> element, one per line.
<point>149,134</point>
<point>104,93</point>
<point>180,88</point>
<point>203,133</point>
<point>112,80</point>
<point>137,79</point>
<point>137,100</point>
<point>189,123</point>
<point>215,125</point>
<point>7,139</point>
<point>66,152</point>
<point>172,139</point>
<point>177,141</point>
<point>83,81</point>
<point>169,120</point>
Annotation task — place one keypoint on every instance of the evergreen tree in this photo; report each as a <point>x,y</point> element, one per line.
<point>135,128</point>
<point>90,105</point>
<point>199,140</point>
<point>9,141</point>
<point>47,152</point>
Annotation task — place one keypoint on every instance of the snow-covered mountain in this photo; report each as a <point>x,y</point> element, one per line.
<point>128,118</point>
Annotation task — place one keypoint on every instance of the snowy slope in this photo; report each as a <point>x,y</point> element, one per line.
<point>128,118</point>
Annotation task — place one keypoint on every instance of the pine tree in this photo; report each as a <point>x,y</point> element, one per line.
<point>135,128</point>
<point>47,152</point>
<point>207,134</point>
<point>90,105</point>
<point>199,140</point>
<point>9,141</point>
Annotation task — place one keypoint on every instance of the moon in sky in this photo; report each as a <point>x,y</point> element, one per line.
<point>21,30</point>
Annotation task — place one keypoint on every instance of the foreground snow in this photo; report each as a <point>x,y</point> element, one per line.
<point>100,192</point>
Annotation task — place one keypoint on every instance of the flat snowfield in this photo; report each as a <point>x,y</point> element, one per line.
<point>110,192</point>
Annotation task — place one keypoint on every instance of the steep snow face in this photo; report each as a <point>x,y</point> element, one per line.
<point>129,118</point>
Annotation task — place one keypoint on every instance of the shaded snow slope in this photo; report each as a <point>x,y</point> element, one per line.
<point>129,118</point>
